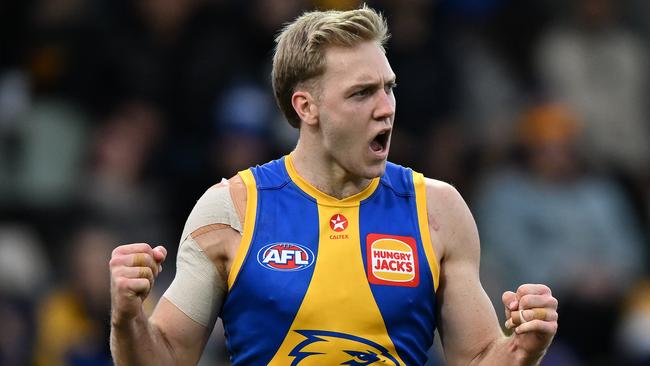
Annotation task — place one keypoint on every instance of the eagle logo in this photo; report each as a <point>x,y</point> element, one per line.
<point>322,347</point>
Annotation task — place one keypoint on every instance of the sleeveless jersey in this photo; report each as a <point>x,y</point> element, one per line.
<point>322,281</point>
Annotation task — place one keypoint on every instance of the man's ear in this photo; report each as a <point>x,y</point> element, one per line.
<point>305,106</point>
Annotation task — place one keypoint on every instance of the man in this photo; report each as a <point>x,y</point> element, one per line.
<point>330,255</point>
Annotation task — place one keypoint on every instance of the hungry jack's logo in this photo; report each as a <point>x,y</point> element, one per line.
<point>392,260</point>
<point>322,347</point>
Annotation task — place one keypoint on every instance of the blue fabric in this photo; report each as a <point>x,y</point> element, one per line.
<point>262,304</point>
<point>409,312</point>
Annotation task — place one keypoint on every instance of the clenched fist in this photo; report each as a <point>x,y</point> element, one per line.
<point>532,312</point>
<point>134,267</point>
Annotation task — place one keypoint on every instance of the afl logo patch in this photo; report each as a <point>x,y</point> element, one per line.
<point>285,257</point>
<point>392,260</point>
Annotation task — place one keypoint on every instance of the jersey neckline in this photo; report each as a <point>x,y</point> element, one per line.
<point>322,197</point>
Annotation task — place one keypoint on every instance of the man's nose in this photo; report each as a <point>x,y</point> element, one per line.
<point>385,108</point>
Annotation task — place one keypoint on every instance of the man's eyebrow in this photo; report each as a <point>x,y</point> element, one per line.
<point>370,84</point>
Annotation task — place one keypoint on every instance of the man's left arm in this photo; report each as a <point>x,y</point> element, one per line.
<point>468,325</point>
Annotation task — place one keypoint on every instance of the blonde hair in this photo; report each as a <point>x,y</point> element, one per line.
<point>300,48</point>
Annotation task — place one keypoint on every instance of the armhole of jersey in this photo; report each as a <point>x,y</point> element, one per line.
<point>249,225</point>
<point>423,222</point>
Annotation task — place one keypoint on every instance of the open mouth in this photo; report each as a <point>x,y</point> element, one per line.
<point>379,143</point>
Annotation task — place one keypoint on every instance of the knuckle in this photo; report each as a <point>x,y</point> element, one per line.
<point>153,267</point>
<point>114,262</point>
<point>147,285</point>
<point>522,288</point>
<point>116,252</point>
<point>533,325</point>
<point>121,283</point>
<point>546,289</point>
<point>146,257</point>
<point>524,302</point>
<point>116,273</point>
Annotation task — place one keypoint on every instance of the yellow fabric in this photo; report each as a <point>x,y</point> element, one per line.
<point>423,220</point>
<point>62,324</point>
<point>327,301</point>
<point>249,225</point>
<point>324,198</point>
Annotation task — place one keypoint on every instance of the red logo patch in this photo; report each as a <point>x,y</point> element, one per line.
<point>338,223</point>
<point>392,260</point>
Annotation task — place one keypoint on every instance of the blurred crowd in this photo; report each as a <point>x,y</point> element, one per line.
<point>115,115</point>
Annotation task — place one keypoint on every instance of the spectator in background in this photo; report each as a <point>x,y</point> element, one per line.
<point>118,189</point>
<point>633,335</point>
<point>73,319</point>
<point>243,118</point>
<point>638,11</point>
<point>24,272</point>
<point>600,69</point>
<point>426,76</point>
<point>549,220</point>
<point>489,94</point>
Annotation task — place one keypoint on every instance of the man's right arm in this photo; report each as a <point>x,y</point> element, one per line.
<point>180,325</point>
<point>169,337</point>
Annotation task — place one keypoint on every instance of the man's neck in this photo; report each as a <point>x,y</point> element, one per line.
<point>324,173</point>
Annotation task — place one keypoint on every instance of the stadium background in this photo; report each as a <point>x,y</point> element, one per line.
<point>115,115</point>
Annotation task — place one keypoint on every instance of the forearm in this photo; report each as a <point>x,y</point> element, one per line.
<point>506,351</point>
<point>138,342</point>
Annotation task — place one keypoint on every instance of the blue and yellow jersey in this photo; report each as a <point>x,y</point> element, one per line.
<point>322,281</point>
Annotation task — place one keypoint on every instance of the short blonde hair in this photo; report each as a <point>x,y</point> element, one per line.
<point>300,48</point>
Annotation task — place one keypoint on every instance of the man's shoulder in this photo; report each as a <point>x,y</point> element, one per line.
<point>222,204</point>
<point>225,195</point>
<point>438,190</point>
<point>445,205</point>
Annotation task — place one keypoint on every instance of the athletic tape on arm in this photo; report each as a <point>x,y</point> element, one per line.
<point>198,289</point>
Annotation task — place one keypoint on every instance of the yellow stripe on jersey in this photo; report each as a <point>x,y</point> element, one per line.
<point>423,220</point>
<point>249,225</point>
<point>327,305</point>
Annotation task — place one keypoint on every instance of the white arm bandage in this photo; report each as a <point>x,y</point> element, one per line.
<point>198,289</point>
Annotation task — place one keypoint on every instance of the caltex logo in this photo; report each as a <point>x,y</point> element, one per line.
<point>338,223</point>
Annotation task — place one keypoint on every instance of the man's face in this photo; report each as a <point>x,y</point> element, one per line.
<point>356,108</point>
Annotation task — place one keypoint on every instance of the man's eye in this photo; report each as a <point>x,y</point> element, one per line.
<point>390,87</point>
<point>362,92</point>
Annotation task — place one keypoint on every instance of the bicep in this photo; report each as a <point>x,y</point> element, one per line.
<point>468,323</point>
